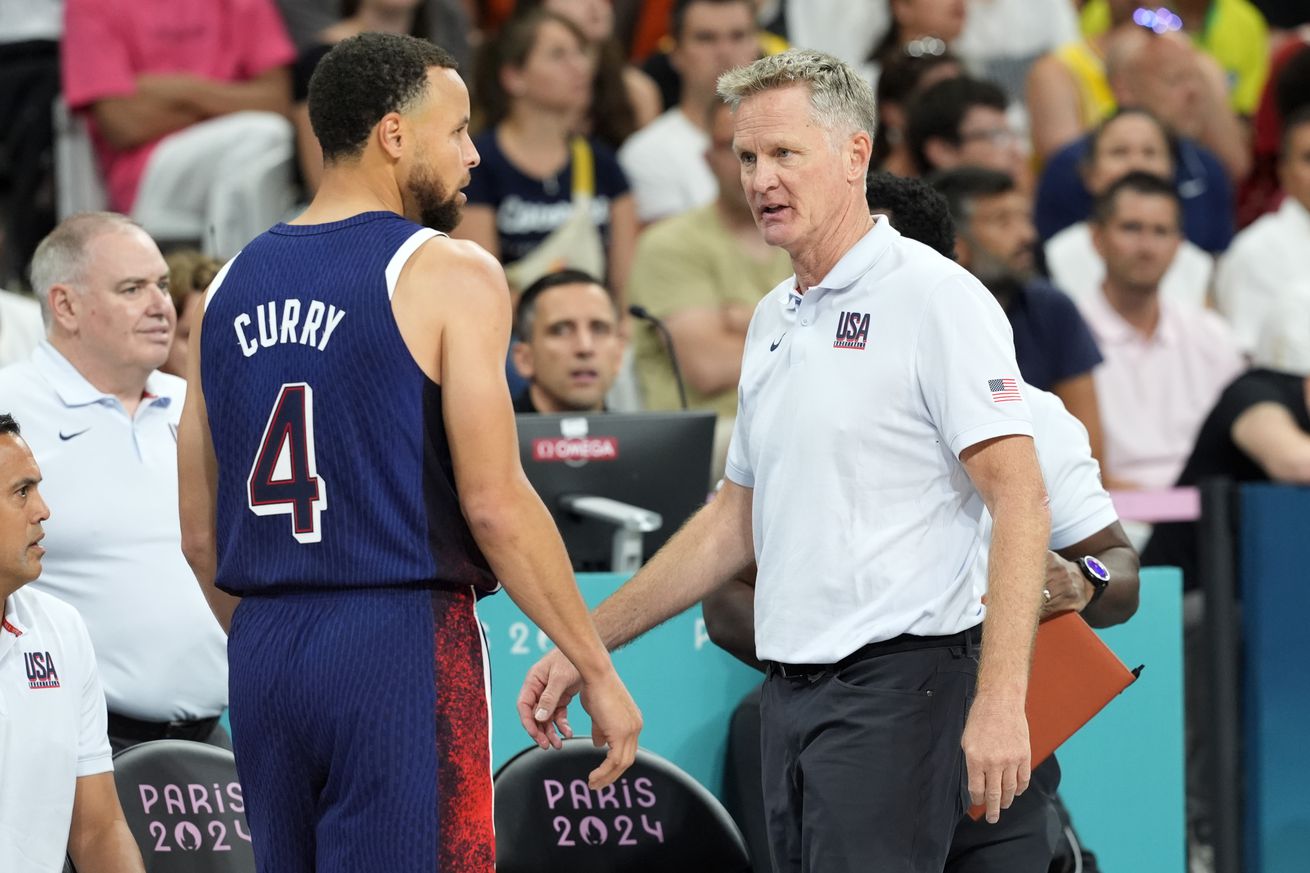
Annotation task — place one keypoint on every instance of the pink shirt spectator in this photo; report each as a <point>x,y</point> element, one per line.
<point>1154,392</point>
<point>108,43</point>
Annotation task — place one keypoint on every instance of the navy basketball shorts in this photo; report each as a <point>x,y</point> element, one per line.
<point>360,723</point>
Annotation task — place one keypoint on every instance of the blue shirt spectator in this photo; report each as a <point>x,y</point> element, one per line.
<point>1051,341</point>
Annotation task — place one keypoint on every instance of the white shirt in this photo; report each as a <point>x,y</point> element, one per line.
<point>856,400</point>
<point>1267,262</point>
<point>52,728</point>
<point>113,540</point>
<point>850,31</point>
<point>665,165</point>
<point>23,20</point>
<point>1015,28</point>
<point>21,327</point>
<point>1077,270</point>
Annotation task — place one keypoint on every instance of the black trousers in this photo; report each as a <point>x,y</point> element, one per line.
<point>862,765</point>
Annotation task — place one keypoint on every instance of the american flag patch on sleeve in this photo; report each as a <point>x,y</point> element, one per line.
<point>1003,390</point>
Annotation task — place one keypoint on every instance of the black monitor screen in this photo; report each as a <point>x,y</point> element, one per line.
<point>655,460</point>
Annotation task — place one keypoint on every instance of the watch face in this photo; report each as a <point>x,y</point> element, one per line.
<point>1096,568</point>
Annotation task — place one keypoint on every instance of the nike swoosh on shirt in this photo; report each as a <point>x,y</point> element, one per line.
<point>778,342</point>
<point>68,436</point>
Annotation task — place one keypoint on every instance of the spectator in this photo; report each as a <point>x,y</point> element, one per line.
<point>1165,363</point>
<point>624,99</point>
<point>1130,140</point>
<point>1002,38</point>
<point>445,22</point>
<point>1200,177</point>
<point>665,161</point>
<point>53,751</point>
<point>995,241</point>
<point>542,192</point>
<point>20,327</point>
<point>703,272</point>
<point>568,345</point>
<point>102,423</point>
<point>961,122</point>
<point>899,85</point>
<point>189,274</point>
<point>918,27</point>
<point>914,209</point>
<point>838,27</point>
<point>188,104</point>
<point>1287,90</point>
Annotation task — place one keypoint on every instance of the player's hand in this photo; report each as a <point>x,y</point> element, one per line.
<point>544,699</point>
<point>615,722</point>
<point>1066,585</point>
<point>997,752</point>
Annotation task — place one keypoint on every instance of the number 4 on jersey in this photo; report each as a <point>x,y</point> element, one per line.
<point>284,479</point>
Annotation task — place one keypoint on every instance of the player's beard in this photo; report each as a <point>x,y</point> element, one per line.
<point>437,208</point>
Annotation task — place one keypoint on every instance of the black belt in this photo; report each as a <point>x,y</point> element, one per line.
<point>971,637</point>
<point>122,727</point>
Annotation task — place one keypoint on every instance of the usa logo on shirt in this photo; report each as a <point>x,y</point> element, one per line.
<point>852,330</point>
<point>40,670</point>
<point>1003,390</point>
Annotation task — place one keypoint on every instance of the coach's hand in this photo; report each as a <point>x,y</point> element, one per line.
<point>997,752</point>
<point>544,699</point>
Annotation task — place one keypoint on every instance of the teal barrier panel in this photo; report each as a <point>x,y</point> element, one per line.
<point>1123,772</point>
<point>685,685</point>
<point>1274,554</point>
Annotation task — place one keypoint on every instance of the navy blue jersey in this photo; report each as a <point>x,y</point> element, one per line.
<point>334,470</point>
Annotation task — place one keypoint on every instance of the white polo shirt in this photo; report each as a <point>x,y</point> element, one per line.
<point>856,400</point>
<point>113,540</point>
<point>52,728</point>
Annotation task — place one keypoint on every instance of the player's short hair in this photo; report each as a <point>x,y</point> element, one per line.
<point>914,209</point>
<point>9,427</point>
<point>1137,182</point>
<point>362,79</point>
<point>526,312</point>
<point>938,113</point>
<point>60,258</point>
<point>840,98</point>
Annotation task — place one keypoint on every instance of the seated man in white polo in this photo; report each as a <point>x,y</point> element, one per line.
<point>57,790</point>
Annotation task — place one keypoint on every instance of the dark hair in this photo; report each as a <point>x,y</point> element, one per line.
<point>1292,87</point>
<point>612,117</point>
<point>897,84</point>
<point>1094,138</point>
<point>938,112</point>
<point>914,208</point>
<point>9,427</point>
<point>679,15</point>
<point>1137,182</point>
<point>964,186</point>
<point>362,79</point>
<point>526,310</point>
<point>1297,119</point>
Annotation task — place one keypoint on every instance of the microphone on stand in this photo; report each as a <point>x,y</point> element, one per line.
<point>645,315</point>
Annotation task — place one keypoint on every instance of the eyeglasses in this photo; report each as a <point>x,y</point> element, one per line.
<point>927,46</point>
<point>997,136</point>
<point>1160,20</point>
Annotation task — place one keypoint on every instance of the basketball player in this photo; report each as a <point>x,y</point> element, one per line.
<point>350,478</point>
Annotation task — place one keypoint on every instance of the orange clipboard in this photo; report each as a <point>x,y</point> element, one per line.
<point>1074,675</point>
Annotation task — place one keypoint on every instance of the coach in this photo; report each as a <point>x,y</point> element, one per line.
<point>879,411</point>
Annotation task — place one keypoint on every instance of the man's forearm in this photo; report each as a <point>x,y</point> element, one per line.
<point>109,849</point>
<point>1119,601</point>
<point>729,613</point>
<point>270,92</point>
<point>1020,532</point>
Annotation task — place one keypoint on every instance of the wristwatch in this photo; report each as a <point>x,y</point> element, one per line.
<point>1096,573</point>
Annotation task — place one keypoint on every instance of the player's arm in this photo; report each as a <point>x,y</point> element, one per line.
<point>99,840</point>
<point>1006,474</point>
<point>1070,589</point>
<point>197,487</point>
<point>729,613</point>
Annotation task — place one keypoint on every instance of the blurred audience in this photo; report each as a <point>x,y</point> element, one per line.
<point>665,161</point>
<point>189,274</point>
<point>1165,362</point>
<point>1270,260</point>
<point>1130,140</point>
<point>1286,91</point>
<point>445,22</point>
<point>900,84</point>
<point>917,27</point>
<point>21,329</point>
<point>188,102</point>
<point>1002,38</point>
<point>102,422</point>
<point>703,272</point>
<point>567,345</point>
<point>996,242</point>
<point>839,27</point>
<point>545,197</point>
<point>961,122</point>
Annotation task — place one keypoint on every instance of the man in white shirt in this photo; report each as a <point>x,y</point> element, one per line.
<point>665,160</point>
<point>879,413</point>
<point>57,790</point>
<point>102,422</point>
<point>1165,362</point>
<point>1269,262</point>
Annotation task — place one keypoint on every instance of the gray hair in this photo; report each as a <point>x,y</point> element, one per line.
<point>60,258</point>
<point>840,97</point>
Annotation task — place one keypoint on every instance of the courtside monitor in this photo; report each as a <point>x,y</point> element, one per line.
<point>656,461</point>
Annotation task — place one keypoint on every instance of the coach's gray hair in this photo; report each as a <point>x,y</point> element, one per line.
<point>841,98</point>
<point>60,259</point>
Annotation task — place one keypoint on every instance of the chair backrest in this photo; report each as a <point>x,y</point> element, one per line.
<point>183,804</point>
<point>79,186</point>
<point>655,818</point>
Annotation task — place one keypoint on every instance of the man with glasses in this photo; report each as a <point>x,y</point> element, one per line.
<point>961,122</point>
